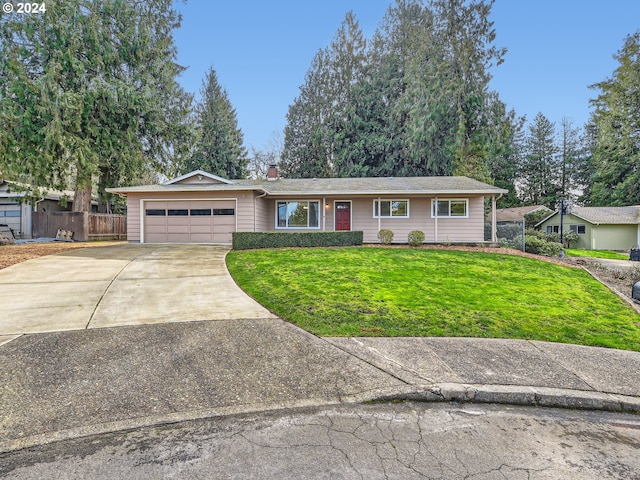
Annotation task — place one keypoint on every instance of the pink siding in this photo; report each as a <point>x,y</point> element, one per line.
<point>244,210</point>
<point>449,229</point>
<point>461,229</point>
<point>258,214</point>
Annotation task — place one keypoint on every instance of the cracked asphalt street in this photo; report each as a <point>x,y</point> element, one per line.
<point>379,441</point>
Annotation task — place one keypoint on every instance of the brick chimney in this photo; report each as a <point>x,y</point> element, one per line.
<point>272,173</point>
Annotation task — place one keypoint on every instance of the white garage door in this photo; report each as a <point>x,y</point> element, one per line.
<point>189,221</point>
<point>10,215</point>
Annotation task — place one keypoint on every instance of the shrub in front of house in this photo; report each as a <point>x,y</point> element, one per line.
<point>252,240</point>
<point>385,236</point>
<point>415,238</point>
<point>540,246</point>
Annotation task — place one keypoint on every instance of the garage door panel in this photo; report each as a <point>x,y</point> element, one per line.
<point>155,237</point>
<point>155,205</point>
<point>178,237</point>
<point>222,237</point>
<point>225,221</point>
<point>156,221</point>
<point>201,221</point>
<point>201,238</point>
<point>10,215</point>
<point>178,228</point>
<point>201,229</point>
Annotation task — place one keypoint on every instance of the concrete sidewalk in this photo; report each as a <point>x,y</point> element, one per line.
<point>64,385</point>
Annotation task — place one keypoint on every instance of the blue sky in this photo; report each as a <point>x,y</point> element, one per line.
<point>261,52</point>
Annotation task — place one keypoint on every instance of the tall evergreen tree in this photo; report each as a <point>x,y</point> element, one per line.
<point>219,147</point>
<point>540,171</point>
<point>316,118</point>
<point>416,102</point>
<point>615,123</point>
<point>571,160</point>
<point>88,92</point>
<point>504,154</point>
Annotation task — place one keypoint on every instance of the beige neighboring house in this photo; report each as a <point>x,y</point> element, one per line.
<point>599,228</point>
<point>203,208</point>
<point>18,204</point>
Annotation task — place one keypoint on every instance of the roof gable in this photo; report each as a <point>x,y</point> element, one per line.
<point>198,177</point>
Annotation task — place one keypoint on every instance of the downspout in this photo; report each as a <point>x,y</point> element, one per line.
<point>255,207</point>
<point>435,223</point>
<point>494,219</point>
<point>35,209</point>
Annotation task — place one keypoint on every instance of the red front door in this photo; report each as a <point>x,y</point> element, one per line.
<point>343,215</point>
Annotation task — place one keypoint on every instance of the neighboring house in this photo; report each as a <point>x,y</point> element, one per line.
<point>203,208</point>
<point>17,205</point>
<point>599,228</point>
<point>505,216</point>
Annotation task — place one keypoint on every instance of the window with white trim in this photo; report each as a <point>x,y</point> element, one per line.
<point>450,208</point>
<point>298,214</point>
<point>391,208</point>
<point>553,229</point>
<point>580,229</point>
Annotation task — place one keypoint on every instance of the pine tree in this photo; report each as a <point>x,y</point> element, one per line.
<point>540,172</point>
<point>88,92</point>
<point>571,160</point>
<point>615,123</point>
<point>219,147</point>
<point>316,120</point>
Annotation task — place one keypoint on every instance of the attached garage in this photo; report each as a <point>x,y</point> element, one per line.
<point>189,221</point>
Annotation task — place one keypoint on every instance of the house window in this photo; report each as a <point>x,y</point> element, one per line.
<point>579,229</point>
<point>450,208</point>
<point>553,229</point>
<point>297,214</point>
<point>391,208</point>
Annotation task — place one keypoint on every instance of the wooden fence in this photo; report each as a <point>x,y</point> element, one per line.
<point>85,226</point>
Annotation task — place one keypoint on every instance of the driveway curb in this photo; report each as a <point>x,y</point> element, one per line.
<point>435,393</point>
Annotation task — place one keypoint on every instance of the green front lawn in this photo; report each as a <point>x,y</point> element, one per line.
<point>365,291</point>
<point>575,252</point>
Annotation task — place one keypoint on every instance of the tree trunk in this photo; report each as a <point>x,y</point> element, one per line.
<point>82,198</point>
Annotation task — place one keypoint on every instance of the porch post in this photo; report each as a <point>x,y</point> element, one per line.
<point>435,220</point>
<point>494,227</point>
<point>324,214</point>
<point>379,213</point>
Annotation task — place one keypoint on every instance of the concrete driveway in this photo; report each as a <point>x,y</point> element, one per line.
<point>121,285</point>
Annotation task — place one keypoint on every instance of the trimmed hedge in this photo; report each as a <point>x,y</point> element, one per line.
<point>251,240</point>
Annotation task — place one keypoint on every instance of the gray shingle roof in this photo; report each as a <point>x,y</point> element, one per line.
<point>337,186</point>
<point>517,213</point>
<point>609,215</point>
